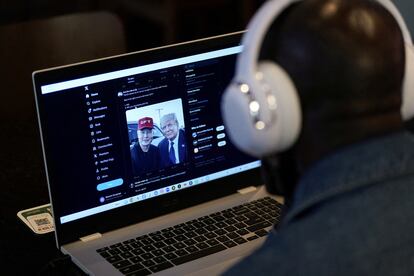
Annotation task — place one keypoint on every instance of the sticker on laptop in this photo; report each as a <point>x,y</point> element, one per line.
<point>39,219</point>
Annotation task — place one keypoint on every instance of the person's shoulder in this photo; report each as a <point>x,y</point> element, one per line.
<point>163,142</point>
<point>154,148</point>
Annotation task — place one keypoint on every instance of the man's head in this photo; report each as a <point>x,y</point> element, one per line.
<point>145,132</point>
<point>330,74</point>
<point>169,126</point>
<point>346,59</point>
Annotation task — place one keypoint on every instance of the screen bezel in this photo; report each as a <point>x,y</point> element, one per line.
<point>120,217</point>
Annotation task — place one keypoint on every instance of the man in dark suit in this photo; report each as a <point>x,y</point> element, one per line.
<point>173,147</point>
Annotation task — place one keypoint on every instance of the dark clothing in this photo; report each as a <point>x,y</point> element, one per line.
<point>352,214</point>
<point>143,162</point>
<point>182,150</point>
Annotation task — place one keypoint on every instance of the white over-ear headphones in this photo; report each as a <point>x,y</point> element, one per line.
<point>261,107</point>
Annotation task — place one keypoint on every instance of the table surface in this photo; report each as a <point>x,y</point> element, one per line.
<point>23,185</point>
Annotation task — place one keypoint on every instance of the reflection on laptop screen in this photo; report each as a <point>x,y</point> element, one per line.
<point>119,137</point>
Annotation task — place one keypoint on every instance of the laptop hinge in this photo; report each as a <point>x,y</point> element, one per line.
<point>91,237</point>
<point>247,190</point>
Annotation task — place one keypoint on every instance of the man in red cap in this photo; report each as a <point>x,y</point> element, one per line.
<point>145,156</point>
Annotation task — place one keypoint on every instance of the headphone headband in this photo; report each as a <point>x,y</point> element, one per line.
<point>262,21</point>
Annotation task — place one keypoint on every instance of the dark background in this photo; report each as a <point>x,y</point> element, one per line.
<point>44,33</point>
<point>37,34</point>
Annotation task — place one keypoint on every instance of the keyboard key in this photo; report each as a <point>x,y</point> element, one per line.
<point>220,232</point>
<point>170,241</point>
<point>148,263</point>
<point>169,229</point>
<point>241,211</point>
<point>240,240</point>
<point>159,259</point>
<point>230,228</point>
<point>221,224</point>
<point>252,238</point>
<point>219,218</point>
<point>157,252</point>
<point>136,244</point>
<point>114,259</point>
<point>179,245</point>
<point>228,214</point>
<point>211,228</point>
<point>209,221</point>
<point>240,225</point>
<point>159,244</point>
<point>135,259</point>
<point>191,234</point>
<point>231,221</point>
<point>114,251</point>
<point>198,224</point>
<point>212,242</point>
<point>115,245</point>
<point>199,254</point>
<point>189,228</point>
<point>168,235</point>
<point>233,235</point>
<point>259,226</point>
<point>147,256</point>
<point>170,256</point>
<point>105,254</point>
<point>143,237</point>
<point>157,238</point>
<point>200,238</point>
<point>168,249</point>
<point>210,235</point>
<point>129,241</point>
<point>181,252</point>
<point>148,248</point>
<point>142,272</point>
<point>180,238</point>
<point>160,267</point>
<point>137,251</point>
<point>131,268</point>
<point>126,255</point>
<point>147,241</point>
<point>230,243</point>
<point>201,231</point>
<point>121,264</point>
<point>223,238</point>
<point>102,249</point>
<point>190,242</point>
<point>156,233</point>
<point>242,232</point>
<point>261,233</point>
<point>253,221</point>
<point>179,231</point>
<point>202,245</point>
<point>192,249</point>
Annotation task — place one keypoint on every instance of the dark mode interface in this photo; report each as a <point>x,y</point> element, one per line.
<point>90,132</point>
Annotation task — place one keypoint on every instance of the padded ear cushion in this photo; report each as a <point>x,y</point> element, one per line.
<point>288,113</point>
<point>282,123</point>
<point>407,108</point>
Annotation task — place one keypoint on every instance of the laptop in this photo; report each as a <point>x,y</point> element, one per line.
<point>116,210</point>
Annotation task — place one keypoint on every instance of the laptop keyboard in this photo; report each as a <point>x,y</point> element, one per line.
<point>194,239</point>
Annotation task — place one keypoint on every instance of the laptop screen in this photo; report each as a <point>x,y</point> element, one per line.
<point>129,129</point>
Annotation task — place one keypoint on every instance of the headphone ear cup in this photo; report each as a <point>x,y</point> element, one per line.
<point>407,108</point>
<point>279,109</point>
<point>237,119</point>
<point>287,113</point>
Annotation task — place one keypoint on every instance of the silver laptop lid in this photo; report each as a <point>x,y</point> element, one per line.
<point>107,127</point>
